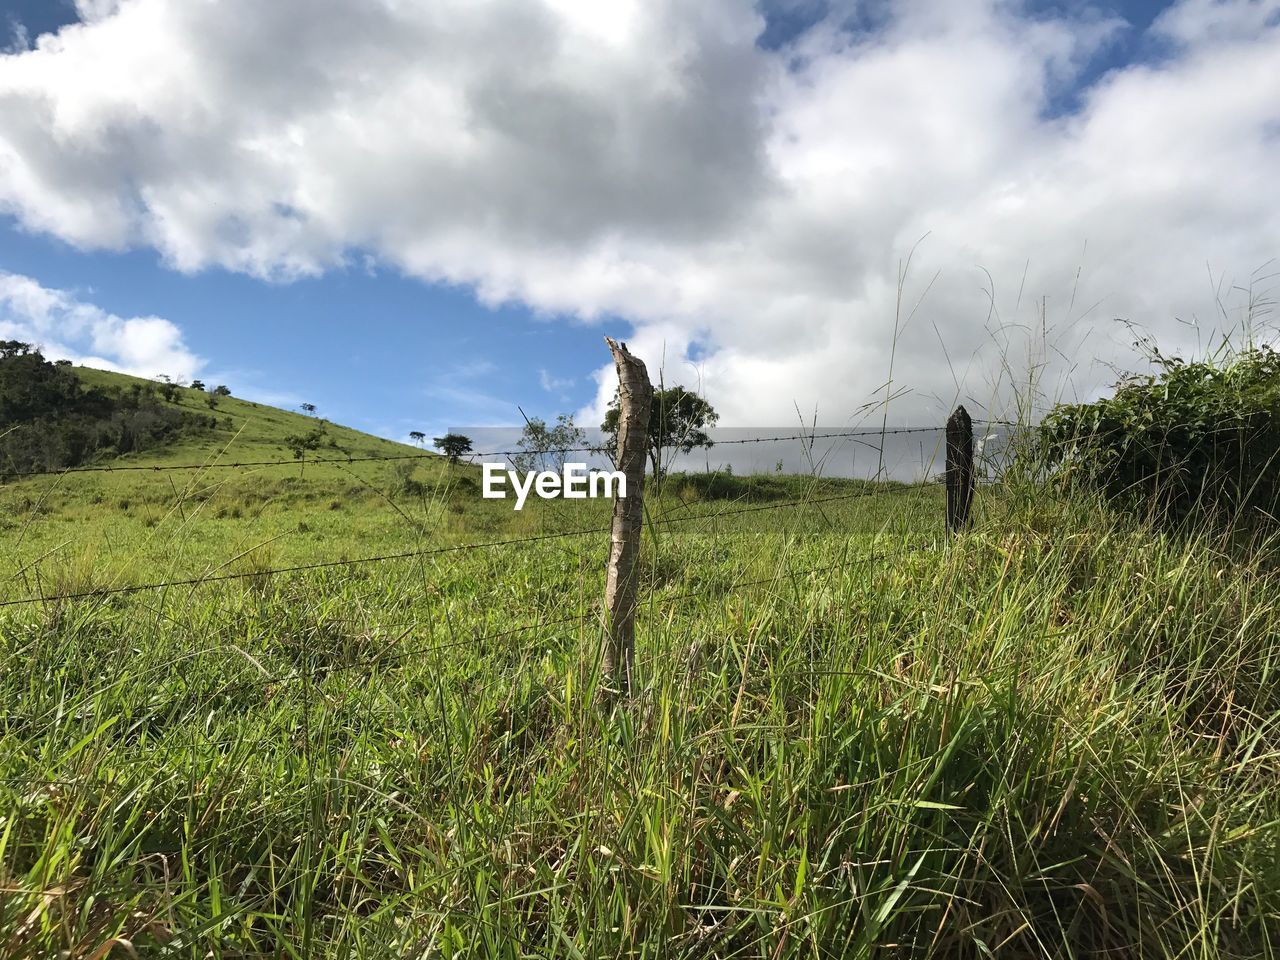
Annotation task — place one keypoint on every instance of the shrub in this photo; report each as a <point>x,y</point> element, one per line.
<point>1196,437</point>
<point>404,482</point>
<point>300,443</point>
<point>49,420</point>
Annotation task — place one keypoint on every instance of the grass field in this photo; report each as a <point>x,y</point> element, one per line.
<point>1055,735</point>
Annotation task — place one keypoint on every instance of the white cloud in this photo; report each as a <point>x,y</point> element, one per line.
<point>647,160</point>
<point>67,328</point>
<point>553,384</point>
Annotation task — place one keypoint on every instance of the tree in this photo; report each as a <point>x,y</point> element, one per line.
<point>168,389</point>
<point>13,348</point>
<point>541,445</point>
<point>452,445</point>
<point>300,443</point>
<point>308,408</point>
<point>222,390</point>
<point>417,436</point>
<point>197,385</point>
<point>49,420</point>
<point>678,420</point>
<point>212,400</point>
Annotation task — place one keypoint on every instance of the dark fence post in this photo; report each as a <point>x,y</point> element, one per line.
<point>960,472</point>
<point>635,397</point>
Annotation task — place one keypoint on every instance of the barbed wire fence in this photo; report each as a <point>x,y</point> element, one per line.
<point>960,477</point>
<point>810,437</point>
<point>397,654</point>
<point>420,641</point>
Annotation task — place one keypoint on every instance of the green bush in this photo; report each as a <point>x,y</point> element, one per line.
<point>1198,437</point>
<point>50,421</point>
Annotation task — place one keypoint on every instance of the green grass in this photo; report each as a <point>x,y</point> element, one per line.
<point>1054,736</point>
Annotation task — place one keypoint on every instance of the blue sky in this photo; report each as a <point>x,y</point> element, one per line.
<point>372,349</point>
<point>376,339</point>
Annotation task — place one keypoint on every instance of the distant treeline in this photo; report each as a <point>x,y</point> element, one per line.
<point>49,420</point>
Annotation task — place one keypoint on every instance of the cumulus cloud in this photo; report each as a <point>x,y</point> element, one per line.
<point>749,211</point>
<point>65,328</point>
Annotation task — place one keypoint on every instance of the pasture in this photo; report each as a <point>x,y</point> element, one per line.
<point>1053,735</point>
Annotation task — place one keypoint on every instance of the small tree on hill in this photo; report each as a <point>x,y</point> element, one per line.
<point>308,408</point>
<point>197,385</point>
<point>300,443</point>
<point>417,436</point>
<point>678,420</point>
<point>452,445</point>
<point>222,390</point>
<point>168,388</point>
<point>544,447</point>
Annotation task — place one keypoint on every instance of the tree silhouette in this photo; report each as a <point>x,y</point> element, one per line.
<point>308,408</point>
<point>452,445</point>
<point>417,436</point>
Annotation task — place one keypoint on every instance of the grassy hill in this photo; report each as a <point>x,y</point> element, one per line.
<point>101,528</point>
<point>256,431</point>
<point>87,530</point>
<point>1057,734</point>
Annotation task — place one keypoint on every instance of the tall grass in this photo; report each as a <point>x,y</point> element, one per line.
<point>1055,735</point>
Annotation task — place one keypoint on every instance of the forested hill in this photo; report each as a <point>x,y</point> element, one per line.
<point>54,415</point>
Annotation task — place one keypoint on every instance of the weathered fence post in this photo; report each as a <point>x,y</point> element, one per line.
<point>960,472</point>
<point>635,395</point>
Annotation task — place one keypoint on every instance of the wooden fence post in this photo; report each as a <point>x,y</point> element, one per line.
<point>960,472</point>
<point>635,395</point>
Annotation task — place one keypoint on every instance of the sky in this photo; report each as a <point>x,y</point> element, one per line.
<point>427,216</point>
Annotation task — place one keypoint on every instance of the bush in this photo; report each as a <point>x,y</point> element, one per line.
<point>1194,438</point>
<point>404,482</point>
<point>300,443</point>
<point>50,421</point>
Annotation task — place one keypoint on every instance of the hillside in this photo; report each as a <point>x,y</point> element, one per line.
<point>108,520</point>
<point>255,431</point>
<point>109,525</point>
<point>1053,735</point>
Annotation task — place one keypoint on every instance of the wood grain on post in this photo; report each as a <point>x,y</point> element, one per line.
<point>635,396</point>
<point>960,472</point>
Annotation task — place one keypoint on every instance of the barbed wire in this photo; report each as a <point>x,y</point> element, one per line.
<point>436,457</point>
<point>436,551</point>
<point>381,659</point>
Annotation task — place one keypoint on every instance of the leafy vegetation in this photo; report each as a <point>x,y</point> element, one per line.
<point>49,420</point>
<point>547,448</point>
<point>1055,735</point>
<point>678,421</point>
<point>453,445</point>
<point>309,440</point>
<point>1200,436</point>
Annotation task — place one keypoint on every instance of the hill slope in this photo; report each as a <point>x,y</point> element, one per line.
<point>86,530</point>
<point>252,431</point>
<point>93,528</point>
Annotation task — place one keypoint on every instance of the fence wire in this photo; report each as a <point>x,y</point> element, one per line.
<point>435,551</point>
<point>437,457</point>
<point>384,659</point>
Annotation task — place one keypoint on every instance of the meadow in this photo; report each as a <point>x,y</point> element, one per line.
<point>852,736</point>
